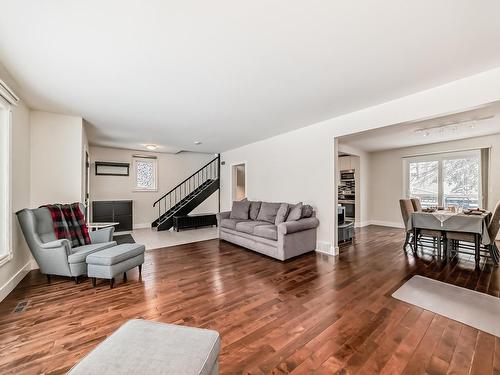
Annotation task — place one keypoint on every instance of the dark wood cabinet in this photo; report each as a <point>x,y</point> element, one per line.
<point>113,211</point>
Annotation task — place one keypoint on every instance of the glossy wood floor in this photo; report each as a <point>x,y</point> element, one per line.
<point>313,314</point>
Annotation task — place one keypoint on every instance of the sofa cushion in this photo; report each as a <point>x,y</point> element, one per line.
<point>230,223</point>
<point>248,226</point>
<point>281,214</point>
<point>268,231</point>
<point>307,211</point>
<point>254,209</point>
<point>80,253</point>
<point>268,212</point>
<point>240,210</point>
<point>295,212</point>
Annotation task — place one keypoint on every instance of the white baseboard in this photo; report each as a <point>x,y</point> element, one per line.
<point>14,280</point>
<point>386,223</point>
<point>326,248</point>
<point>142,226</point>
<point>362,224</point>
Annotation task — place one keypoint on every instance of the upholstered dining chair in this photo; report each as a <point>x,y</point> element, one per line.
<point>493,227</point>
<point>406,211</point>
<point>417,206</point>
<point>58,257</point>
<point>407,208</point>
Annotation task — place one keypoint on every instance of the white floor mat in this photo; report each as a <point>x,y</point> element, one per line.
<point>475,309</point>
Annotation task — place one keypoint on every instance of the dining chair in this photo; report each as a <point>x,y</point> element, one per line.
<point>407,208</point>
<point>458,238</point>
<point>417,206</point>
<point>406,211</point>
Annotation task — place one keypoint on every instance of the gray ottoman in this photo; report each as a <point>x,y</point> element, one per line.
<point>145,347</point>
<point>108,263</point>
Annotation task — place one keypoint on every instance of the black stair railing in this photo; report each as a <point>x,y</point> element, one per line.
<point>197,181</point>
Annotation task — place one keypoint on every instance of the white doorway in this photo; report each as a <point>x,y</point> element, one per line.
<point>238,181</point>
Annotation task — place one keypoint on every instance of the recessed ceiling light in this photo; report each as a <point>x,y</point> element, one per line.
<point>197,143</point>
<point>151,147</point>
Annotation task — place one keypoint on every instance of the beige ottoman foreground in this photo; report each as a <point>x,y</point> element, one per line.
<point>145,347</point>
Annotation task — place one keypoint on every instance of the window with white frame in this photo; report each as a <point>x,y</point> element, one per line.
<point>445,179</point>
<point>5,200</point>
<point>145,174</point>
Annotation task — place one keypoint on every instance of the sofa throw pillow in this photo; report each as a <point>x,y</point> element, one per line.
<point>240,210</point>
<point>295,212</point>
<point>281,214</point>
<point>254,209</point>
<point>307,211</point>
<point>268,212</point>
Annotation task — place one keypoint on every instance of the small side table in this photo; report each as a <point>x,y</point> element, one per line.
<point>194,221</point>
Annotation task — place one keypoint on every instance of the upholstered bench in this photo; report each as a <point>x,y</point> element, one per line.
<point>145,347</point>
<point>108,263</point>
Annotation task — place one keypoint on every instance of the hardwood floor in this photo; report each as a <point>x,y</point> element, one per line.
<point>313,314</point>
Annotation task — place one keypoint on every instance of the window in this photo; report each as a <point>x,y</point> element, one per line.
<point>5,210</point>
<point>145,174</point>
<point>445,179</point>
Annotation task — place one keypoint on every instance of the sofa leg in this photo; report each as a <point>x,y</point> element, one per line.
<point>76,280</point>
<point>140,270</point>
<point>48,278</point>
<point>125,277</point>
<point>93,282</point>
<point>111,282</point>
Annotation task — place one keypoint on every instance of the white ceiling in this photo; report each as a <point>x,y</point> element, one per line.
<point>467,124</point>
<point>228,72</point>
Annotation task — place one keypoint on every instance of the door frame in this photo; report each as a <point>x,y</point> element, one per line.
<point>231,194</point>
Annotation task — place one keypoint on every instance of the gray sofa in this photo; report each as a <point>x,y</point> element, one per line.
<point>57,257</point>
<point>274,232</point>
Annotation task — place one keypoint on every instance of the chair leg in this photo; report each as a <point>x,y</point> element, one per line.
<point>476,250</point>
<point>76,279</point>
<point>111,282</point>
<point>125,276</point>
<point>407,241</point>
<point>93,282</point>
<point>48,278</point>
<point>140,269</point>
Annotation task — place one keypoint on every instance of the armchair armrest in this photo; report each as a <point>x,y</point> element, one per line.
<point>57,244</point>
<point>102,235</point>
<point>223,215</point>
<point>298,226</point>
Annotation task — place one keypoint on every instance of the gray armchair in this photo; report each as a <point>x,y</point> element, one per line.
<point>57,257</point>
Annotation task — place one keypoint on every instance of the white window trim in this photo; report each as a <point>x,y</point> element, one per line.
<point>439,157</point>
<point>134,168</point>
<point>6,252</point>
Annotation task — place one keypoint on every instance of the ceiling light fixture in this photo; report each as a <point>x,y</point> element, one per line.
<point>151,147</point>
<point>453,127</point>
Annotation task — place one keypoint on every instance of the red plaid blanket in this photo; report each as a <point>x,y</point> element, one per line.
<point>69,223</point>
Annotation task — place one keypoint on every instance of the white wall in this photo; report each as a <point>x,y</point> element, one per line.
<point>172,169</point>
<point>13,271</point>
<point>56,158</point>
<point>387,175</point>
<point>299,165</point>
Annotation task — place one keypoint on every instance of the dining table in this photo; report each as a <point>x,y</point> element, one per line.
<point>475,223</point>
